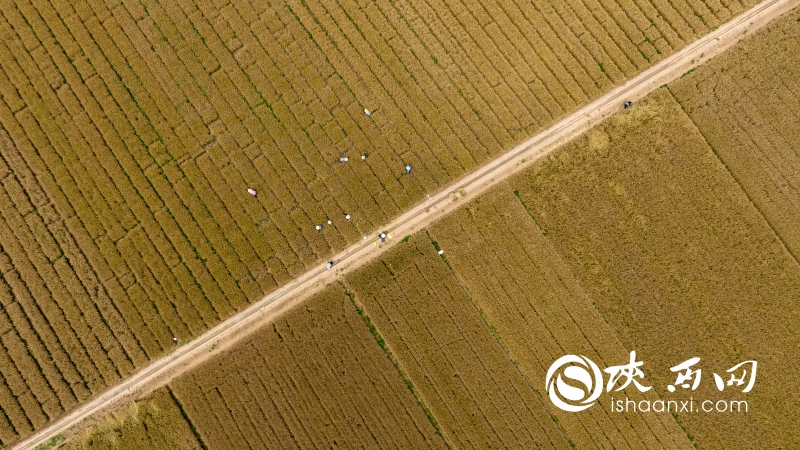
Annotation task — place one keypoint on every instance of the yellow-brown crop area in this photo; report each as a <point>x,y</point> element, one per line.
<point>746,105</point>
<point>130,132</point>
<point>756,89</point>
<point>661,231</point>
<point>529,298</point>
<point>679,262</point>
<point>155,422</point>
<point>315,378</point>
<point>474,391</point>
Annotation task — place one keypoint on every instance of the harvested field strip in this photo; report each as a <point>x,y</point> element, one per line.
<point>315,377</point>
<point>155,422</point>
<point>529,298</point>
<point>677,260</point>
<point>441,342</point>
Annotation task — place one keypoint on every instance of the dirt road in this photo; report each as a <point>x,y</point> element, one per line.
<point>227,333</point>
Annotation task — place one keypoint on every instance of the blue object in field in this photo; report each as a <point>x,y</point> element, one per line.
<point>408,168</point>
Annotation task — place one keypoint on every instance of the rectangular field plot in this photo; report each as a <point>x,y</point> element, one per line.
<point>534,305</point>
<point>474,391</point>
<point>314,378</point>
<point>756,89</point>
<point>679,262</point>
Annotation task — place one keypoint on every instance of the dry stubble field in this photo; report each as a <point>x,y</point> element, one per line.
<point>130,131</point>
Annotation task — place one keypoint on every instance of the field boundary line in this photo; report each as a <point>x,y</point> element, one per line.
<point>225,334</point>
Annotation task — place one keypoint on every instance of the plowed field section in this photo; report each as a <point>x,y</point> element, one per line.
<point>474,391</point>
<point>679,262</point>
<point>529,297</point>
<point>315,378</point>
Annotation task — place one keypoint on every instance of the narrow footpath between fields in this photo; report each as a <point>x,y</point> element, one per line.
<point>228,332</point>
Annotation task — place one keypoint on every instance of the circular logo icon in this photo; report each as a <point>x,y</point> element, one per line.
<point>574,383</point>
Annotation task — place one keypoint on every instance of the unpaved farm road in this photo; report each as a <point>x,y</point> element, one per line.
<point>225,334</point>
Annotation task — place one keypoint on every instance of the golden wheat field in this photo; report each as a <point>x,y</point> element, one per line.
<point>473,330</point>
<point>755,87</point>
<point>131,132</point>
<point>679,261</point>
<point>530,300</point>
<point>473,390</point>
<point>165,164</point>
<point>645,234</point>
